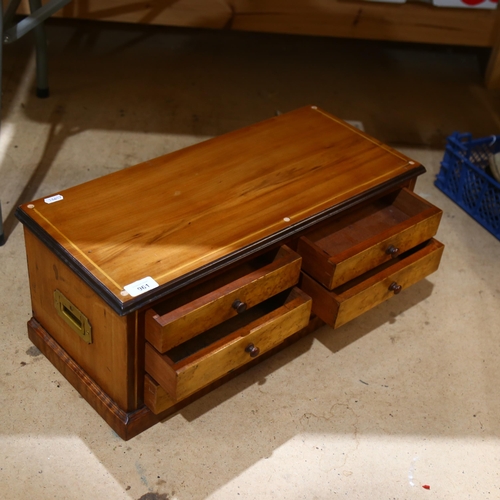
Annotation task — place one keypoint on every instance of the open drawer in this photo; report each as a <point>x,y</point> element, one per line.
<point>351,245</point>
<point>209,356</point>
<point>361,294</point>
<point>194,311</point>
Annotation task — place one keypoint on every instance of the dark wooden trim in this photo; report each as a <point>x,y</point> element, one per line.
<point>81,271</point>
<point>124,308</point>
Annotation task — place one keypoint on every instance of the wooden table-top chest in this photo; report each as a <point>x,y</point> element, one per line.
<point>153,285</point>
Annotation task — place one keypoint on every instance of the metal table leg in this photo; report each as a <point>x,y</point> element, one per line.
<point>42,82</point>
<point>12,33</point>
<point>2,236</point>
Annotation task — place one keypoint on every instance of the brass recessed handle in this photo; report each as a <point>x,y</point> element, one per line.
<point>239,307</point>
<point>392,251</point>
<point>73,317</point>
<point>252,350</point>
<point>394,287</point>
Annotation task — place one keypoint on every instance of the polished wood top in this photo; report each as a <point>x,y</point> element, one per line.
<point>191,211</point>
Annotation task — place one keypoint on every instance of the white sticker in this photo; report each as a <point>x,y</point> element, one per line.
<point>356,123</point>
<point>141,286</point>
<point>53,199</point>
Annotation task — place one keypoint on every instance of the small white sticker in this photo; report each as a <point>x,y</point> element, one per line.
<point>53,199</point>
<point>357,124</point>
<point>141,286</point>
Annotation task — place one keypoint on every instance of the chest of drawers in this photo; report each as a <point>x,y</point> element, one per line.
<point>153,285</point>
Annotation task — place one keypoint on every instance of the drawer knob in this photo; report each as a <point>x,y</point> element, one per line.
<point>394,287</point>
<point>392,251</point>
<point>239,307</point>
<point>252,350</point>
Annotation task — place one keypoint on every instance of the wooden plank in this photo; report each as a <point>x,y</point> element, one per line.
<point>493,69</point>
<point>195,316</point>
<point>410,22</point>
<point>316,261</point>
<point>187,13</point>
<point>178,213</point>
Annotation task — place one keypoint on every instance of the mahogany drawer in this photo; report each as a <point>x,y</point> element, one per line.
<point>359,241</point>
<point>192,312</point>
<point>352,299</point>
<point>209,356</point>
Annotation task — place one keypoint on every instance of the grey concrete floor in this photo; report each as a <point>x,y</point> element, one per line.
<point>405,396</point>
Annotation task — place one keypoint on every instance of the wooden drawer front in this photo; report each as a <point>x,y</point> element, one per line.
<point>204,359</point>
<point>211,303</point>
<point>360,241</point>
<point>358,296</point>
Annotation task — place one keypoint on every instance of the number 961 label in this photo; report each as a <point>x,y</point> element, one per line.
<point>142,286</point>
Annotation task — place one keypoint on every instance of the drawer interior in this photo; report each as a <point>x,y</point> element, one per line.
<point>373,287</point>
<point>221,298</point>
<point>355,242</point>
<point>199,361</point>
<point>214,283</point>
<point>345,287</point>
<point>221,331</point>
<point>369,221</point>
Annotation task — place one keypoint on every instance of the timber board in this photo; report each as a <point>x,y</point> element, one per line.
<point>183,215</point>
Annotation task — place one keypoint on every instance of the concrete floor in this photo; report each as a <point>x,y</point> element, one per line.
<point>405,396</point>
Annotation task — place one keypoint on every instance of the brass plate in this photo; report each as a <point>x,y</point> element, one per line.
<point>73,316</point>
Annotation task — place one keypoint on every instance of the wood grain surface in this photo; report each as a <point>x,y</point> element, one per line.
<point>410,21</point>
<point>177,213</point>
<point>110,360</point>
<point>348,247</point>
<point>161,404</point>
<point>493,69</point>
<point>182,377</point>
<point>215,302</point>
<point>360,295</point>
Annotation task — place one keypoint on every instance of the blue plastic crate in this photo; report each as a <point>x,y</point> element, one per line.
<point>464,179</point>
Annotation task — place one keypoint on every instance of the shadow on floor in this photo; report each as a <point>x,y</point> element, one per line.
<point>207,82</point>
<point>203,83</point>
